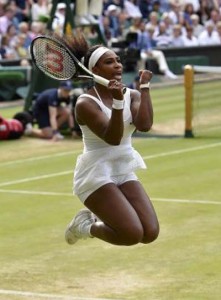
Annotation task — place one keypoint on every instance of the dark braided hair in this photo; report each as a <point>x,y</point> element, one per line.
<point>78,45</point>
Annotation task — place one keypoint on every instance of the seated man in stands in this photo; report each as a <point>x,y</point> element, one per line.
<point>147,46</point>
<point>52,110</point>
<point>189,39</point>
<point>209,36</point>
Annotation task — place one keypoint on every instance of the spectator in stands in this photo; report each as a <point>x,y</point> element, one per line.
<point>195,4</point>
<point>113,14</point>
<point>164,6</point>
<point>189,39</point>
<point>214,17</point>
<point>156,6</point>
<point>22,9</point>
<point>59,18</point>
<point>24,28</point>
<point>21,49</point>
<point>51,113</point>
<point>135,24</point>
<point>119,3</point>
<point>12,35</point>
<point>153,21</point>
<point>176,11</point>
<point>218,28</point>
<point>106,30</point>
<point>38,9</point>
<point>187,12</point>
<point>132,9</point>
<point>146,44</point>
<point>145,8</point>
<point>6,51</point>
<point>206,6</point>
<point>168,23</point>
<point>37,28</point>
<point>2,5</point>
<point>177,37</point>
<point>162,38</point>
<point>197,27</point>
<point>6,19</point>
<point>209,36</point>
<point>124,24</point>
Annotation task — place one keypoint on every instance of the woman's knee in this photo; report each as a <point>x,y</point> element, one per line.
<point>151,233</point>
<point>131,236</point>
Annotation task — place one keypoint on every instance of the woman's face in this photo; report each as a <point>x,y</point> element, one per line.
<point>109,66</point>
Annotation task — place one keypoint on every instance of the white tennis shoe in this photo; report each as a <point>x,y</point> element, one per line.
<point>79,228</point>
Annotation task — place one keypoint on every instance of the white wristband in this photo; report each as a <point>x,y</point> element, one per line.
<point>118,104</point>
<point>145,85</point>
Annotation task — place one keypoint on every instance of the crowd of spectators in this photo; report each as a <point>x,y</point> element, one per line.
<point>174,23</point>
<point>166,23</point>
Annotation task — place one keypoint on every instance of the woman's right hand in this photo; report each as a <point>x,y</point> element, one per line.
<point>116,89</point>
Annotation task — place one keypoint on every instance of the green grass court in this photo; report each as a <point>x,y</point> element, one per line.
<point>36,204</point>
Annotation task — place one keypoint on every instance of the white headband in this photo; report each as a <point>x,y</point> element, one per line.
<point>95,56</point>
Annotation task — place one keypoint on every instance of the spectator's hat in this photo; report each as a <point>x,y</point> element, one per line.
<point>66,85</point>
<point>61,6</point>
<point>112,7</point>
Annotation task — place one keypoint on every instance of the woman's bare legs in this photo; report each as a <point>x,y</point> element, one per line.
<point>136,195</point>
<point>126,212</point>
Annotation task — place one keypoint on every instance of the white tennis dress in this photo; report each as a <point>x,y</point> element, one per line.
<point>100,161</point>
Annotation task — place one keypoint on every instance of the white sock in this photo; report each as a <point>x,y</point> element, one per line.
<point>170,74</point>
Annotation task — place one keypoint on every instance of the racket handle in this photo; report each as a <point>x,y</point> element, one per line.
<point>101,80</point>
<point>104,81</point>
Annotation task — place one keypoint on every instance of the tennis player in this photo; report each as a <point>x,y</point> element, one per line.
<point>118,209</point>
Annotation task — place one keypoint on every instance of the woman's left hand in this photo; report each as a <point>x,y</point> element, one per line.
<point>145,76</point>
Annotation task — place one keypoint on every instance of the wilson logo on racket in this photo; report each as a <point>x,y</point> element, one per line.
<point>54,60</point>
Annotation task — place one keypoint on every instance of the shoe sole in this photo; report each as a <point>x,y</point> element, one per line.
<point>70,237</point>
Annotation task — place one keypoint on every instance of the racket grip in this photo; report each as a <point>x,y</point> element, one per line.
<point>101,80</point>
<point>104,81</point>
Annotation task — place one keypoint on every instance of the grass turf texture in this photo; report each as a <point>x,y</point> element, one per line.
<point>183,179</point>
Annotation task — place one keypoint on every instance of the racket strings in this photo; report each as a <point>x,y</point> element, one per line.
<point>54,60</point>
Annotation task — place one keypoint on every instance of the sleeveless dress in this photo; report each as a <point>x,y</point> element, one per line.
<point>101,161</point>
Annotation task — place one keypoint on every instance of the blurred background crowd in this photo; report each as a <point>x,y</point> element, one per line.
<point>163,23</point>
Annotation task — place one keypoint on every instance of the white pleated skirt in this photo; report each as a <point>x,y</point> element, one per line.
<point>96,168</point>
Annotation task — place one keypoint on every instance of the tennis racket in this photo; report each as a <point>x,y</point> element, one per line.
<point>55,60</point>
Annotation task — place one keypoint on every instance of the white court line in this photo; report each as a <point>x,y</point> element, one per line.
<point>145,157</point>
<point>79,151</point>
<point>40,193</point>
<point>21,161</point>
<point>35,178</point>
<point>71,195</point>
<point>186,201</point>
<point>182,151</point>
<point>47,296</point>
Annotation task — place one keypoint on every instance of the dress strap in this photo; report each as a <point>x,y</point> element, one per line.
<point>101,104</point>
<point>93,98</point>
